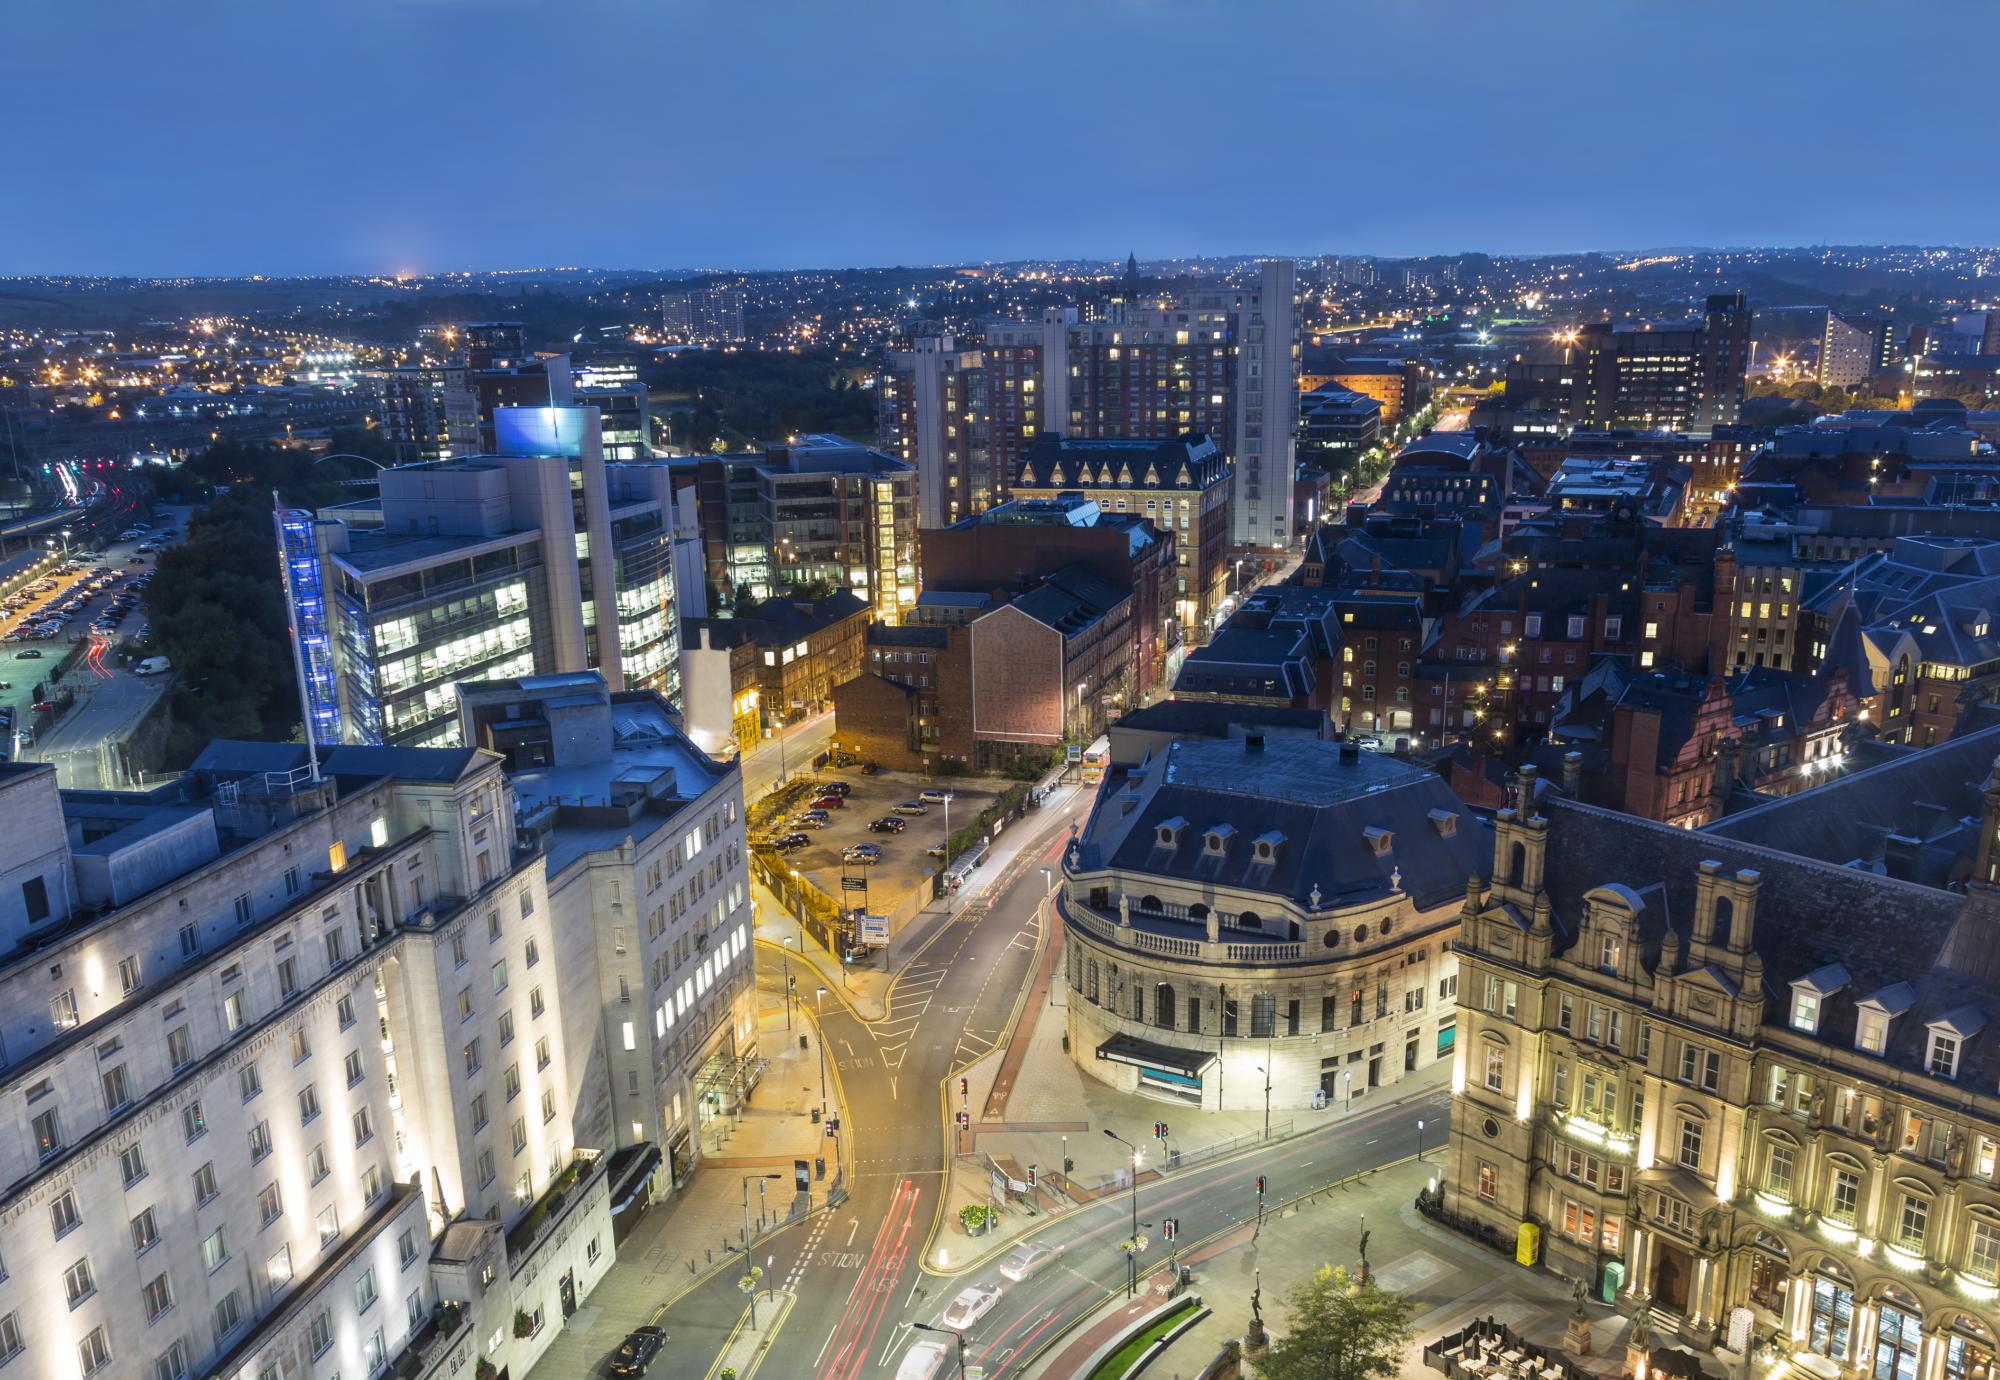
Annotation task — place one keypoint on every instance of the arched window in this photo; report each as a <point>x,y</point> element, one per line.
<point>1724,914</point>
<point>1090,990</point>
<point>1197,911</point>
<point>1517,864</point>
<point>1150,903</point>
<point>1163,1006</point>
<point>1249,920</point>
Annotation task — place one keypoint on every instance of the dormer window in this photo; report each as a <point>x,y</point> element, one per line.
<point>1216,840</point>
<point>1379,841</point>
<point>1445,822</point>
<point>1267,846</point>
<point>1169,832</point>
<point>1809,996</point>
<point>1948,1034</point>
<point>1873,1014</point>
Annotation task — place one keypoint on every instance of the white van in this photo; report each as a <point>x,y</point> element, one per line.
<point>153,666</point>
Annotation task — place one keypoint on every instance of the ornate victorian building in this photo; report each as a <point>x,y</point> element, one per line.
<point>1231,911</point>
<point>1739,1090</point>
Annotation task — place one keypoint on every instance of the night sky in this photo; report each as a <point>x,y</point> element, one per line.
<point>298,136</point>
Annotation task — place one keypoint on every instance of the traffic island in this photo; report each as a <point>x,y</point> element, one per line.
<point>751,1339</point>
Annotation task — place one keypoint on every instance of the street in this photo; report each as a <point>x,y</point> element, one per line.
<point>855,1280</point>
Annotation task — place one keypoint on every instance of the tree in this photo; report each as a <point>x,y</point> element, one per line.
<point>1337,1331</point>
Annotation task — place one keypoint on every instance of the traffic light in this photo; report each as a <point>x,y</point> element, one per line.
<point>1031,1176</point>
<point>1069,1165</point>
<point>965,1121</point>
<point>1170,1228</point>
<point>964,1088</point>
<point>1260,1185</point>
<point>1160,1130</point>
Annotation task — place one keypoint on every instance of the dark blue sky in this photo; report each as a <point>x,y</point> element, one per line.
<point>292,136</point>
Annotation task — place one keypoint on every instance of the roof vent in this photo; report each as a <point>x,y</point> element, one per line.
<point>1253,742</point>
<point>1350,753</point>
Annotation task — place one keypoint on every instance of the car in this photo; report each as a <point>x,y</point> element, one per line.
<point>888,824</point>
<point>869,769</point>
<point>32,654</point>
<point>829,802</point>
<point>785,843</point>
<point>922,1361</point>
<point>839,788</point>
<point>812,819</point>
<point>936,851</point>
<point>45,706</point>
<point>863,853</point>
<point>637,1351</point>
<point>1026,1261</point>
<point>931,795</point>
<point>973,1303</point>
<point>6,685</point>
<point>913,807</point>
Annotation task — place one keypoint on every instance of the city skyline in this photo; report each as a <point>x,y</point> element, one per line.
<point>826,116</point>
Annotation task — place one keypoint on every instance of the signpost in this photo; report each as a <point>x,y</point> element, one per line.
<point>873,930</point>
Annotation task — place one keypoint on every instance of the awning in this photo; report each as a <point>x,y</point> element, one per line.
<point>629,1181</point>
<point>1128,1049</point>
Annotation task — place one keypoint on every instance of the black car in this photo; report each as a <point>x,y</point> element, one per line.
<point>839,788</point>
<point>32,654</point>
<point>637,1351</point>
<point>888,824</point>
<point>785,843</point>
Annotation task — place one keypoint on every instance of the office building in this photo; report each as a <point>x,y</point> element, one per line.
<point>518,563</point>
<point>428,411</point>
<point>1336,425</point>
<point>933,415</point>
<point>288,1063</point>
<point>1737,1083</point>
<point>1399,386</point>
<point>706,316</point>
<point>1682,375</point>
<point>640,836</point>
<point>1853,349</point>
<point>624,411</point>
<point>1222,361</point>
<point>1181,486</point>
<point>1267,926</point>
<point>819,509</point>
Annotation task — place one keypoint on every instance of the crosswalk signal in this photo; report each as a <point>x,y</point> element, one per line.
<point>1160,1130</point>
<point>964,1121</point>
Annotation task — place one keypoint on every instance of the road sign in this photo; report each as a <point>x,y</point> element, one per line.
<point>854,884</point>
<point>873,930</point>
<point>1075,752</point>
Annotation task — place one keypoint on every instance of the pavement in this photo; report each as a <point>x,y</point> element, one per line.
<point>698,1230</point>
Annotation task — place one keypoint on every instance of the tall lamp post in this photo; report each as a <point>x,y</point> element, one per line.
<point>748,1284</point>
<point>819,1019</point>
<point>1265,1069</point>
<point>1133,1245</point>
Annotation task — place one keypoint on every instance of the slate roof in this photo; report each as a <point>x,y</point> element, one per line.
<point>781,621</point>
<point>1320,801</point>
<point>1062,462</point>
<point>1930,801</point>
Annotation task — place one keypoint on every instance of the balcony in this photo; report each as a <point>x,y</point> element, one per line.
<point>430,1346</point>
<point>1179,937</point>
<point>569,1189</point>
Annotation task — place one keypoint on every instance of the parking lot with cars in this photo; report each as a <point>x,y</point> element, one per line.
<point>898,817</point>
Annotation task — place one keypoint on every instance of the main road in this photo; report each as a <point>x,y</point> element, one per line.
<point>857,1271</point>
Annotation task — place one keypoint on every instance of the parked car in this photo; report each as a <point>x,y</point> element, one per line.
<point>842,789</point>
<point>637,1351</point>
<point>869,769</point>
<point>888,824</point>
<point>813,819</point>
<point>913,807</point>
<point>935,852</point>
<point>829,802</point>
<point>785,843</point>
<point>972,1304</point>
<point>933,796</point>
<point>922,1361</point>
<point>1026,1261</point>
<point>32,654</point>
<point>862,853</point>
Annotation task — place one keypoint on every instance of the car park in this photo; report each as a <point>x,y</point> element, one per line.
<point>913,807</point>
<point>973,1303</point>
<point>888,824</point>
<point>931,795</point>
<point>637,1351</point>
<point>1026,1261</point>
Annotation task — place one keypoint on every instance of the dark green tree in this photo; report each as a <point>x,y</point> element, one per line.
<point>1336,1330</point>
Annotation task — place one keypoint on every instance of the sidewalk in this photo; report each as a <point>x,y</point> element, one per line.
<point>1451,1279</point>
<point>694,1228</point>
<point>1032,1105</point>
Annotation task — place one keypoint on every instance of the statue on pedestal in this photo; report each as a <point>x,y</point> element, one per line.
<point>1125,910</point>
<point>1364,1277</point>
<point>1255,1340</point>
<point>1576,1336</point>
<point>1214,928</point>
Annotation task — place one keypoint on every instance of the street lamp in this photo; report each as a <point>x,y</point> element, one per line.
<point>819,1006</point>
<point>1420,1140</point>
<point>1347,1084</point>
<point>958,1337</point>
<point>1133,1245</point>
<point>748,1284</point>
<point>1264,1068</point>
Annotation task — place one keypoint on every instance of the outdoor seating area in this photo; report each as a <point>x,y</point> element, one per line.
<point>1490,1350</point>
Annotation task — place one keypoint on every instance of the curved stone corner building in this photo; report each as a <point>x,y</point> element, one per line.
<point>1738,1089</point>
<point>1231,907</point>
